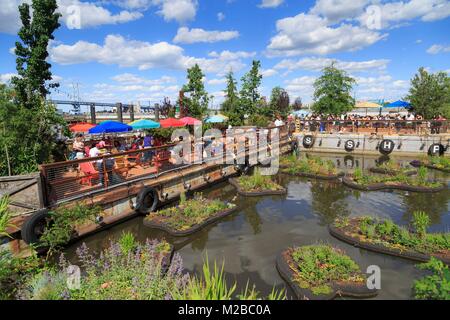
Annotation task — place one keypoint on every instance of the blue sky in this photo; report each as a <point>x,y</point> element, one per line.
<point>138,50</point>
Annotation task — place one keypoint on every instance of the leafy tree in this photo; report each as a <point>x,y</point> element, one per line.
<point>197,103</point>
<point>249,92</point>
<point>332,92</point>
<point>231,103</point>
<point>429,94</point>
<point>28,137</point>
<point>166,109</point>
<point>279,102</point>
<point>31,52</point>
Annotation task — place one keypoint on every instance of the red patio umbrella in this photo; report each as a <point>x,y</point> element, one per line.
<point>171,123</point>
<point>81,127</point>
<point>189,121</point>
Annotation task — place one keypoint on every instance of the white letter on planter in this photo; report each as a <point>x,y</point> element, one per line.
<point>374,280</point>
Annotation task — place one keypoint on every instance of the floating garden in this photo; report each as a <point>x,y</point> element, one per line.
<point>437,163</point>
<point>257,185</point>
<point>311,167</point>
<point>189,216</point>
<point>322,272</point>
<point>418,183</point>
<point>392,167</point>
<point>388,238</point>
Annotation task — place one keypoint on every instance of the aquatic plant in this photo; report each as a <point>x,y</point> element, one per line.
<point>436,285</point>
<point>439,162</point>
<point>127,242</point>
<point>400,178</point>
<point>189,212</point>
<point>310,164</point>
<point>391,235</point>
<point>421,221</point>
<point>258,182</point>
<point>316,266</point>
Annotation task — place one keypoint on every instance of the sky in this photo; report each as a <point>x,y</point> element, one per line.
<point>133,51</point>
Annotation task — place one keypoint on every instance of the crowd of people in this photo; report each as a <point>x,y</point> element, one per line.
<point>409,122</point>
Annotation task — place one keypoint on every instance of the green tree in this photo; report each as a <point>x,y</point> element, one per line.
<point>429,94</point>
<point>31,52</point>
<point>197,103</point>
<point>231,107</point>
<point>332,92</point>
<point>250,95</point>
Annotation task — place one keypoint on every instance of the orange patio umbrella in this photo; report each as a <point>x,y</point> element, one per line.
<point>81,127</point>
<point>171,123</point>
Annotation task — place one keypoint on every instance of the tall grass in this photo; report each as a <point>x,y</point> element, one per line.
<point>5,216</point>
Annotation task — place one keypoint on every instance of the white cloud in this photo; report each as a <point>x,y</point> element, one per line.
<point>118,50</point>
<point>6,77</point>
<point>270,3</point>
<point>195,35</point>
<point>301,87</point>
<point>437,48</point>
<point>399,12</point>
<point>266,73</point>
<point>338,10</point>
<point>382,87</point>
<point>215,82</point>
<point>144,55</point>
<point>220,16</point>
<point>75,15</point>
<point>132,79</point>
<point>317,37</point>
<point>178,10</point>
<point>317,64</point>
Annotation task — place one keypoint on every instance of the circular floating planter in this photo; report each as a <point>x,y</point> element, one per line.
<point>389,186</point>
<point>344,234</point>
<point>417,164</point>
<point>391,172</point>
<point>157,222</point>
<point>286,266</point>
<point>235,183</point>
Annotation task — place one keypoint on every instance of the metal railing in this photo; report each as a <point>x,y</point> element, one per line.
<point>374,126</point>
<point>70,180</point>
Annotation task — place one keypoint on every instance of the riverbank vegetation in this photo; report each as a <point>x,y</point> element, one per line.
<point>388,234</point>
<point>309,165</point>
<point>189,212</point>
<point>317,267</point>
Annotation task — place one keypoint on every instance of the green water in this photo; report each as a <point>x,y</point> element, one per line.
<point>250,239</point>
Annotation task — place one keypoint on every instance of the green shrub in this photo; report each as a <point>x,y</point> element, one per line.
<point>64,220</point>
<point>435,286</point>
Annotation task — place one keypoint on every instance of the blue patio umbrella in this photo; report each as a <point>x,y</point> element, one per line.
<point>216,119</point>
<point>144,124</point>
<point>398,104</point>
<point>110,127</point>
<point>301,113</point>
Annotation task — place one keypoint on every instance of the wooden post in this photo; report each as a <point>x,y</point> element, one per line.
<point>156,113</point>
<point>93,119</point>
<point>119,112</point>
<point>131,113</point>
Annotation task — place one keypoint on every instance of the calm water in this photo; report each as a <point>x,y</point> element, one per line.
<point>249,240</point>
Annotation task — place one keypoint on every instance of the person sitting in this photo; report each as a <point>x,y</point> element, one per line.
<point>77,148</point>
